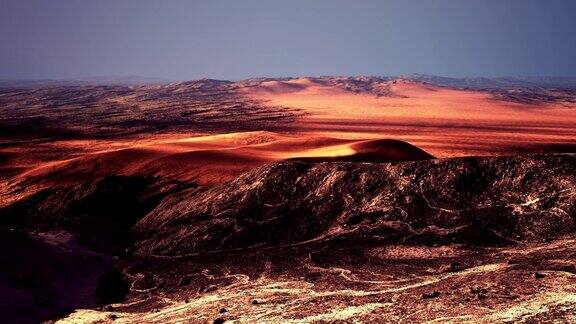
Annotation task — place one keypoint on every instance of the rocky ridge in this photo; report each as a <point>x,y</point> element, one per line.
<point>477,201</point>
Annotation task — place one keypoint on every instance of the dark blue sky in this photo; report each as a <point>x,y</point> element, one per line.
<point>238,39</point>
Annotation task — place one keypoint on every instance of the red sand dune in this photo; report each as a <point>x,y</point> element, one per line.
<point>214,159</point>
<point>211,159</point>
<point>374,151</point>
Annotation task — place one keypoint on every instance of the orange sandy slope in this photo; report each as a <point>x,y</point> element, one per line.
<point>443,121</point>
<point>207,160</point>
<point>411,102</point>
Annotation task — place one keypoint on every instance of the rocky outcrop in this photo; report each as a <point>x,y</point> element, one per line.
<point>480,201</point>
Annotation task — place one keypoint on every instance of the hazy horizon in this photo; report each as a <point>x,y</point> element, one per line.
<point>141,78</point>
<point>68,40</point>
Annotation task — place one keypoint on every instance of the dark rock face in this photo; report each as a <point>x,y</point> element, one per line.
<point>112,287</point>
<point>100,213</point>
<point>479,201</point>
<point>44,278</point>
<point>40,281</point>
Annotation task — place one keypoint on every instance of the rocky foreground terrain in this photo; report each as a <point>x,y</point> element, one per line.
<point>465,240</point>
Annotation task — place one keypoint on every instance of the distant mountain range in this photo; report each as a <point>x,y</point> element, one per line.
<point>481,83</point>
<point>99,80</point>
<point>476,83</point>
